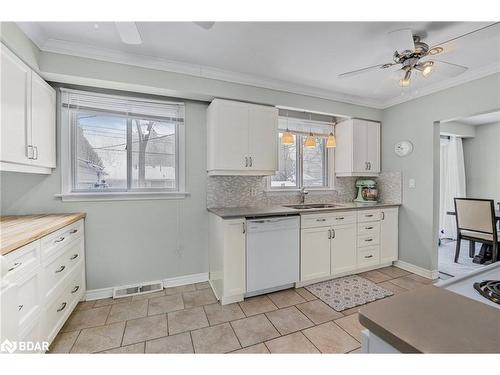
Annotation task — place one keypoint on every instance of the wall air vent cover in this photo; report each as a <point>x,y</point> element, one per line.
<point>132,290</point>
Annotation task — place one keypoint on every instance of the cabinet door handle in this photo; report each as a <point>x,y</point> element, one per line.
<point>75,289</point>
<point>369,215</point>
<point>339,218</point>
<point>383,215</point>
<point>35,157</point>
<point>74,256</point>
<point>246,161</point>
<point>323,219</point>
<point>368,256</point>
<point>73,231</point>
<point>368,228</point>
<point>366,165</point>
<point>329,234</point>
<point>369,240</point>
<point>60,239</point>
<point>244,227</point>
<point>333,233</point>
<point>60,269</point>
<point>251,161</point>
<point>14,266</point>
<point>29,152</point>
<point>20,307</point>
<point>63,306</point>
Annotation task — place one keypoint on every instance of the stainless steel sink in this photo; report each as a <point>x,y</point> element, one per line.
<point>313,205</point>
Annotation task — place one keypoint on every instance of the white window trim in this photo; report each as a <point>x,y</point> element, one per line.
<point>67,195</point>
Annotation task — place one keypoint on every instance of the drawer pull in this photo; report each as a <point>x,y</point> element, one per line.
<point>369,215</point>
<point>60,239</point>
<point>63,306</point>
<point>73,231</point>
<point>14,266</point>
<point>369,240</point>
<point>75,289</point>
<point>74,256</point>
<point>20,307</point>
<point>368,256</point>
<point>368,227</point>
<point>60,269</point>
<point>321,219</point>
<point>339,218</point>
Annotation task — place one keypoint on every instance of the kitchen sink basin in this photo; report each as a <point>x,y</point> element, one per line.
<point>312,205</point>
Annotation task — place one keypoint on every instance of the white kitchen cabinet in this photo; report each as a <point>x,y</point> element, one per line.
<point>315,253</point>
<point>28,118</point>
<point>227,258</point>
<point>389,235</point>
<point>358,148</point>
<point>343,249</point>
<point>242,138</point>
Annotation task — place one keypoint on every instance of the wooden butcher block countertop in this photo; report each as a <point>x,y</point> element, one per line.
<point>17,231</point>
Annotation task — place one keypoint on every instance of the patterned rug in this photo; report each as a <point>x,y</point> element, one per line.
<point>346,292</point>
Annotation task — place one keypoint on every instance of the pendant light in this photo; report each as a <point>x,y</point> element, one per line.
<point>310,140</point>
<point>287,137</point>
<point>331,142</point>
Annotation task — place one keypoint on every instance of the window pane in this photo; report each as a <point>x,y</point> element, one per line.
<point>153,154</point>
<point>314,165</point>
<point>287,164</point>
<point>101,157</point>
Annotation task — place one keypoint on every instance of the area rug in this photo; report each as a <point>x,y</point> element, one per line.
<point>347,292</point>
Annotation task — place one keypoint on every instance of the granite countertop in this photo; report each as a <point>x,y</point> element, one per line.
<point>18,231</point>
<point>434,320</point>
<point>276,210</point>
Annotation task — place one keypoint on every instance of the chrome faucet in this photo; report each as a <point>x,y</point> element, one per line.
<point>303,193</point>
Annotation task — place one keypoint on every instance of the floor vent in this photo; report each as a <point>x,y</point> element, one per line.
<point>132,290</point>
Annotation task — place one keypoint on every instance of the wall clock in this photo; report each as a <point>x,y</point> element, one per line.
<point>403,148</point>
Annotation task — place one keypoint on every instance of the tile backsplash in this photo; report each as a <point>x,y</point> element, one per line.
<point>244,191</point>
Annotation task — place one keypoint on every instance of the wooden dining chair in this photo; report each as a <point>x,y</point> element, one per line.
<point>476,222</point>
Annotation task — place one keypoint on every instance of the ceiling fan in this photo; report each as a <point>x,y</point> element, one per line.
<point>412,55</point>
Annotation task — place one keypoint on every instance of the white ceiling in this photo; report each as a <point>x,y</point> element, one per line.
<point>300,57</point>
<point>483,119</point>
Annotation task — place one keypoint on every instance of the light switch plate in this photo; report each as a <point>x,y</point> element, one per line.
<point>411,183</point>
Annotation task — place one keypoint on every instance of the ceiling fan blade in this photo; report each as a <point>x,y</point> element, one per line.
<point>493,29</point>
<point>401,40</point>
<point>449,69</point>
<point>365,70</point>
<point>205,25</point>
<point>129,34</point>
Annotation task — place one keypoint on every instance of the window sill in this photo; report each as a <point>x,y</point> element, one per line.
<point>121,196</point>
<point>295,190</point>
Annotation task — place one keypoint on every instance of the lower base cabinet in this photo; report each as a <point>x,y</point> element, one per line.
<point>343,249</point>
<point>315,253</point>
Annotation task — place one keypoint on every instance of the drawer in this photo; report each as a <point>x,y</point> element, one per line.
<point>21,261</point>
<point>56,270</point>
<point>59,309</point>
<point>368,240</point>
<point>60,238</point>
<point>328,219</point>
<point>368,256</point>
<point>369,228</point>
<point>369,215</point>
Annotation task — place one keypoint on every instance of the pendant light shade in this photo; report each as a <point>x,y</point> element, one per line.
<point>331,142</point>
<point>310,141</point>
<point>287,138</point>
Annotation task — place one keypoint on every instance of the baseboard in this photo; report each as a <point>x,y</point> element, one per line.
<point>433,275</point>
<point>94,294</point>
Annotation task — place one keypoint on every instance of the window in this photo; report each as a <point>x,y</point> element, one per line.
<point>300,166</point>
<point>121,145</point>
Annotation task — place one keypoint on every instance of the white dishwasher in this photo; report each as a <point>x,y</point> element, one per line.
<point>272,257</point>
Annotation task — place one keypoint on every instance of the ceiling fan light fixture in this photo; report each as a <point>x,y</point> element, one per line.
<point>405,81</point>
<point>427,68</point>
<point>435,50</point>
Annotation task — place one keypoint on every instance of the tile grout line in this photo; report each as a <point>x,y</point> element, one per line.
<point>72,346</point>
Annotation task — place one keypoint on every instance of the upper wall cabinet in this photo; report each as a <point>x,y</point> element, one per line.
<point>28,118</point>
<point>242,139</point>
<point>358,148</point>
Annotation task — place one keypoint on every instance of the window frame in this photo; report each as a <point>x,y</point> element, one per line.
<point>68,157</point>
<point>328,165</point>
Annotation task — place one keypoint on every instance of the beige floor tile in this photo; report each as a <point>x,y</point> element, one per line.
<point>289,320</point>
<point>186,320</point>
<point>375,276</point>
<point>392,287</point>
<point>330,338</point>
<point>179,289</point>
<point>129,349</point>
<point>86,319</point>
<point>217,313</point>
<point>407,282</point>
<point>203,285</point>
<point>111,301</point>
<point>97,339</point>
<point>148,295</point>
<point>177,344</point>
<point>126,311</point>
<point>307,295</point>
<point>85,305</point>
<point>286,298</point>
<point>165,304</point>
<point>351,325</point>
<point>63,342</point>
<point>254,349</point>
<point>198,298</point>
<point>216,339</point>
<point>257,305</point>
<point>393,272</point>
<point>318,311</point>
<point>147,328</point>
<point>294,343</point>
<point>253,330</point>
